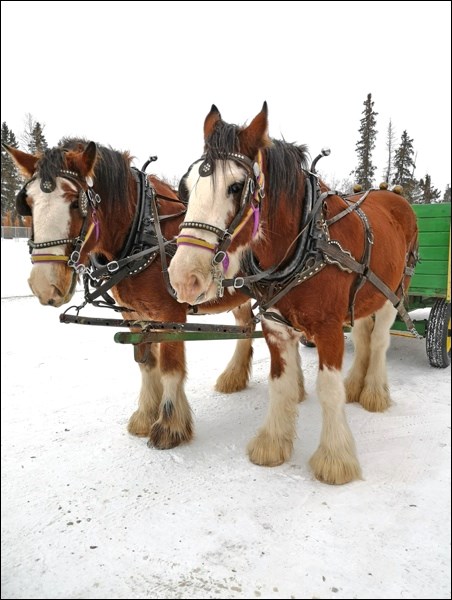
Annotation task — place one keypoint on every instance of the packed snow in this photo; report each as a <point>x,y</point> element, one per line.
<point>89,511</point>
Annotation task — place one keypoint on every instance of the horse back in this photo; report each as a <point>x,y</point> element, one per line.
<point>392,229</point>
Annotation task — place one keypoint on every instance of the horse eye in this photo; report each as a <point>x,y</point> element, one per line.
<point>235,188</point>
<point>74,205</point>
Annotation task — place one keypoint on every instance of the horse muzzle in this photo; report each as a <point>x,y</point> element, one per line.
<point>53,285</point>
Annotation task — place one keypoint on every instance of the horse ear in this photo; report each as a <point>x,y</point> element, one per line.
<point>255,136</point>
<point>26,163</point>
<point>211,120</point>
<point>89,159</point>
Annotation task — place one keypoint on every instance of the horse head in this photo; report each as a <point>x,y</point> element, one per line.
<point>58,196</point>
<point>224,189</point>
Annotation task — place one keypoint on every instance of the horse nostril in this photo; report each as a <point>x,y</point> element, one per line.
<point>194,283</point>
<point>58,291</point>
<point>51,302</point>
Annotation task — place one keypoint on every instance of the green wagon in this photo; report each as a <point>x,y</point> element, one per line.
<point>430,285</point>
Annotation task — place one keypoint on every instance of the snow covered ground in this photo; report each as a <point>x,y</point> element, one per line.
<point>89,511</point>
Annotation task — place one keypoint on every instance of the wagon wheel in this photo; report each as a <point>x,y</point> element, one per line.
<point>438,335</point>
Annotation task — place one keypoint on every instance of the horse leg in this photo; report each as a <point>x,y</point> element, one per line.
<point>237,373</point>
<point>375,394</point>
<point>151,391</point>
<point>354,382</point>
<point>335,459</point>
<point>300,377</point>
<point>174,423</point>
<point>274,441</point>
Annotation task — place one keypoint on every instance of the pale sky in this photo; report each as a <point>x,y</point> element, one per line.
<point>142,76</point>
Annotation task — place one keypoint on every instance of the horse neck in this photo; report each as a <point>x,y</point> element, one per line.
<point>280,225</point>
<point>168,204</point>
<point>115,218</point>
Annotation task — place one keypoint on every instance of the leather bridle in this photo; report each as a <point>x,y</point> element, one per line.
<point>249,205</point>
<point>88,200</point>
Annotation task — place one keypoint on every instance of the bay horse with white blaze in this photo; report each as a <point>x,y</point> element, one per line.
<point>314,259</point>
<point>87,203</point>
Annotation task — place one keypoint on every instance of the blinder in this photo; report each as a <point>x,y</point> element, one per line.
<point>22,207</point>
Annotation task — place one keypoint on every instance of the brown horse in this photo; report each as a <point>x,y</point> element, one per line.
<point>86,201</point>
<point>314,260</point>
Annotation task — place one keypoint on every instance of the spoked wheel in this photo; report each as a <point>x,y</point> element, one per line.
<point>438,335</point>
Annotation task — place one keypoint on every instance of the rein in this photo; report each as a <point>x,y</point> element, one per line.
<point>322,250</point>
<point>143,244</point>
<point>314,251</point>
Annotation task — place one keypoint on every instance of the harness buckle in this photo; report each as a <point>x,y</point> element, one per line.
<point>113,266</point>
<point>218,258</point>
<point>239,282</point>
<point>80,269</point>
<point>73,260</point>
<point>94,198</point>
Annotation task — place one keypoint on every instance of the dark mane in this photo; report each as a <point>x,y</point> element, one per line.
<point>286,162</point>
<point>224,140</point>
<point>112,168</point>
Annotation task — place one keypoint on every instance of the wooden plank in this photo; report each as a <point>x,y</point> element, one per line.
<point>428,253</point>
<point>434,239</point>
<point>432,267</point>
<point>428,285</point>
<point>430,210</point>
<point>433,224</point>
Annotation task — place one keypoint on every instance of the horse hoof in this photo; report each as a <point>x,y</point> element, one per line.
<point>334,469</point>
<point>266,451</point>
<point>139,424</point>
<point>375,399</point>
<point>164,438</point>
<point>230,382</point>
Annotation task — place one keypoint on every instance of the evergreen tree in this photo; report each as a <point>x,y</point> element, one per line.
<point>39,142</point>
<point>404,167</point>
<point>390,145</point>
<point>364,172</point>
<point>430,194</point>
<point>446,197</point>
<point>11,181</point>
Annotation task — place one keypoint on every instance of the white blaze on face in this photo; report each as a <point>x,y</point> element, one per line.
<point>210,203</point>
<point>51,215</point>
<point>51,222</point>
